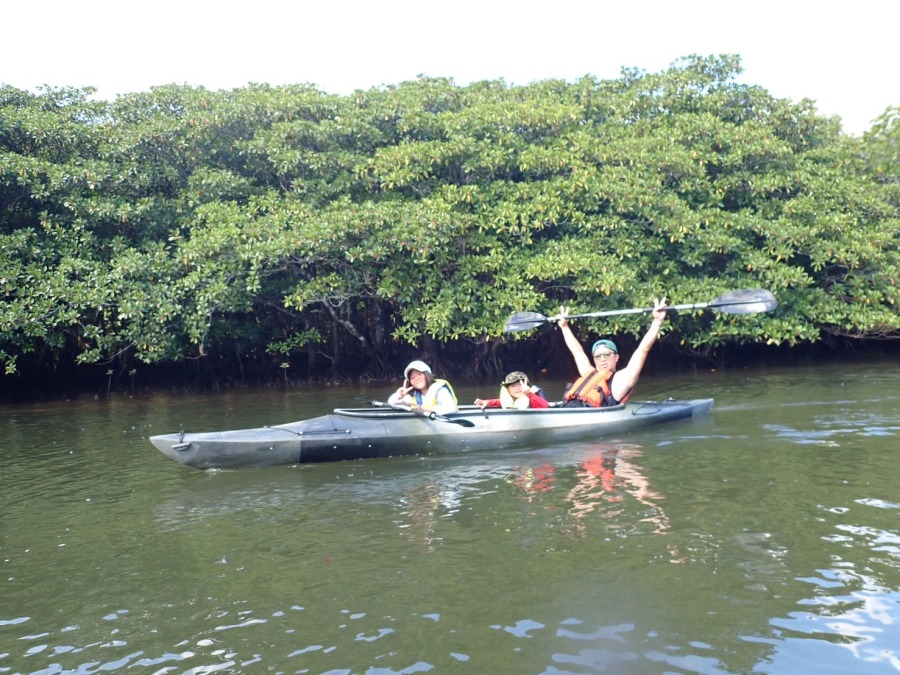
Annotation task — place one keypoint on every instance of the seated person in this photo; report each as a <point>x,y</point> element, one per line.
<point>516,392</point>
<point>422,392</point>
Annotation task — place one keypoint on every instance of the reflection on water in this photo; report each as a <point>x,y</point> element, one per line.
<point>762,539</point>
<point>600,481</point>
<point>850,605</point>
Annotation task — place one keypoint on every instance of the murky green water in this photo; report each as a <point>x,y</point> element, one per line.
<point>765,538</point>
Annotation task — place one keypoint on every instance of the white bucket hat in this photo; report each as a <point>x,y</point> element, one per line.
<point>421,366</point>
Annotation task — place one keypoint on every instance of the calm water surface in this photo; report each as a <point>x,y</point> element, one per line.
<point>763,539</point>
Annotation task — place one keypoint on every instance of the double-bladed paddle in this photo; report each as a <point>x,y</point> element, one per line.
<point>424,413</point>
<point>745,301</point>
<point>433,415</point>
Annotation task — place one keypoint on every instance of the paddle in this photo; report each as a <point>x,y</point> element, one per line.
<point>745,301</point>
<point>425,413</point>
<point>433,415</point>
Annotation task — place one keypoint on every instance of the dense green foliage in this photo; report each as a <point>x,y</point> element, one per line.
<point>268,222</point>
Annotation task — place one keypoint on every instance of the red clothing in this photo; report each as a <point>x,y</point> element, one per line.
<point>534,401</point>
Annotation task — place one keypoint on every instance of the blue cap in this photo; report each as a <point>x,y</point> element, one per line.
<point>604,343</point>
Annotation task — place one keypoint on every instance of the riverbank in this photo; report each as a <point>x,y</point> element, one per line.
<point>107,380</point>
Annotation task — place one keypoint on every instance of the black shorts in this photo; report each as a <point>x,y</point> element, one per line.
<point>576,403</point>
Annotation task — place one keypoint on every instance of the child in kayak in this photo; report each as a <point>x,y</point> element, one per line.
<point>422,391</point>
<point>516,392</point>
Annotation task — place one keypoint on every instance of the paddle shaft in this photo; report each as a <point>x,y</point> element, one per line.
<point>430,414</point>
<point>749,301</point>
<point>647,310</point>
<point>423,413</point>
<point>407,408</point>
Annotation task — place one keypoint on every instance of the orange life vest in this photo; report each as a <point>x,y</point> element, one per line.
<point>593,389</point>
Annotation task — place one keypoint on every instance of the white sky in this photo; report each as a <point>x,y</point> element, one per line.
<point>843,55</point>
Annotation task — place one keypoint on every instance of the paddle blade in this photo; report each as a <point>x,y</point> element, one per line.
<point>745,301</point>
<point>468,424</point>
<point>523,321</point>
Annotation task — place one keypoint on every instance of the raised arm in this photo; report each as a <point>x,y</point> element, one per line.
<point>582,360</point>
<point>627,377</point>
<point>402,396</point>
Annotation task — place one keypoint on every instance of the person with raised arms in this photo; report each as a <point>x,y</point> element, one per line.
<point>422,392</point>
<point>600,382</point>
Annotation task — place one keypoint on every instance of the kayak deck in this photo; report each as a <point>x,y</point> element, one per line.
<point>364,433</point>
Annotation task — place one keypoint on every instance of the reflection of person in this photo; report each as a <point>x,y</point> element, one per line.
<point>516,392</point>
<point>534,480</point>
<point>596,484</point>
<point>601,383</point>
<point>608,476</point>
<point>608,481</point>
<point>422,391</point>
<point>422,507</point>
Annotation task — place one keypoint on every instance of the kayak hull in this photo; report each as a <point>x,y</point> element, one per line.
<point>366,433</point>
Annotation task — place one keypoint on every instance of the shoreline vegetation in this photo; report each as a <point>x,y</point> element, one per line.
<point>282,236</point>
<point>95,382</point>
